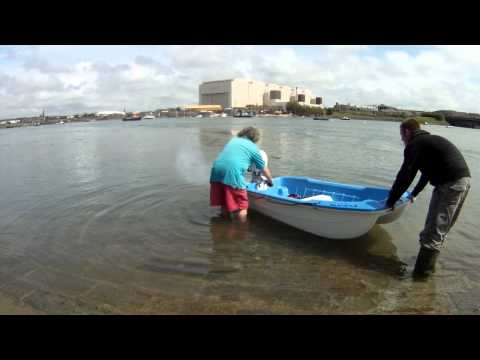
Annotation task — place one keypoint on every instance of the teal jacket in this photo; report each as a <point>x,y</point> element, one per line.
<point>232,163</point>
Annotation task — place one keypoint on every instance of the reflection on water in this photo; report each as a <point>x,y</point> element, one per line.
<point>227,240</point>
<point>114,218</point>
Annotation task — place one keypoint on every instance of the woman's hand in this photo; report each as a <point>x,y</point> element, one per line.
<point>266,172</point>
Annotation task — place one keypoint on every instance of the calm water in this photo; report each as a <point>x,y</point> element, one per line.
<point>113,217</point>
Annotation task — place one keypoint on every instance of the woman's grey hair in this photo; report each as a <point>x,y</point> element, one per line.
<point>250,133</point>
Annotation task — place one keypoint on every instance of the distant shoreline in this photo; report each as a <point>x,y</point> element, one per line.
<point>335,116</point>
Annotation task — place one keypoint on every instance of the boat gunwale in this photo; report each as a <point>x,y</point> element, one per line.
<point>318,205</point>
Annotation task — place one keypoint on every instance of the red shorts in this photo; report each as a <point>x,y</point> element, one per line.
<point>224,195</point>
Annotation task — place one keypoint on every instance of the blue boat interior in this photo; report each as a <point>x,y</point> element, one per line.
<point>308,191</point>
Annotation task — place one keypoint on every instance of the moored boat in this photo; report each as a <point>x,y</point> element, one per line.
<point>134,117</point>
<point>244,113</point>
<point>327,209</point>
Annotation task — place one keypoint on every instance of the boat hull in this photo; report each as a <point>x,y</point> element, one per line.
<point>349,218</point>
<point>317,221</point>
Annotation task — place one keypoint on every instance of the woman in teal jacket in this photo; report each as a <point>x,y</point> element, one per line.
<point>227,178</point>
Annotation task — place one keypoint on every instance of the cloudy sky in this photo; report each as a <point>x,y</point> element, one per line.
<point>75,79</point>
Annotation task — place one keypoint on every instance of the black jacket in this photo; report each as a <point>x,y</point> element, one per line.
<point>438,160</point>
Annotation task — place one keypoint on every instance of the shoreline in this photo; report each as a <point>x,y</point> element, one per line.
<point>334,116</point>
<point>9,307</point>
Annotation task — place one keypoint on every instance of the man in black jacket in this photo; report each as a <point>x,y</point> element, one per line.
<point>441,164</point>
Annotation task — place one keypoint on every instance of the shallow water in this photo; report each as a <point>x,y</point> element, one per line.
<point>113,217</point>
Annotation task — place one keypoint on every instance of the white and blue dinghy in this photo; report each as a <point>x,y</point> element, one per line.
<point>327,209</point>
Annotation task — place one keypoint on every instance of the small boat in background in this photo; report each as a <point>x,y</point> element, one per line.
<point>148,117</point>
<point>321,118</point>
<point>327,209</point>
<point>244,114</point>
<point>345,118</point>
<point>134,117</point>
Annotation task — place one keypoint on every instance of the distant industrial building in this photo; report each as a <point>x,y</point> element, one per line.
<point>241,93</point>
<point>109,113</point>
<point>202,108</point>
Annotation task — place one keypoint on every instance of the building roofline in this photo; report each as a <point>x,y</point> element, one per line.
<point>213,81</point>
<point>232,79</point>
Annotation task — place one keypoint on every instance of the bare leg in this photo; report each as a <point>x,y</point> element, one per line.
<point>242,216</point>
<point>224,212</point>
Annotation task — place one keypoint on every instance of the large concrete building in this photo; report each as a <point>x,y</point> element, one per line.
<point>240,93</point>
